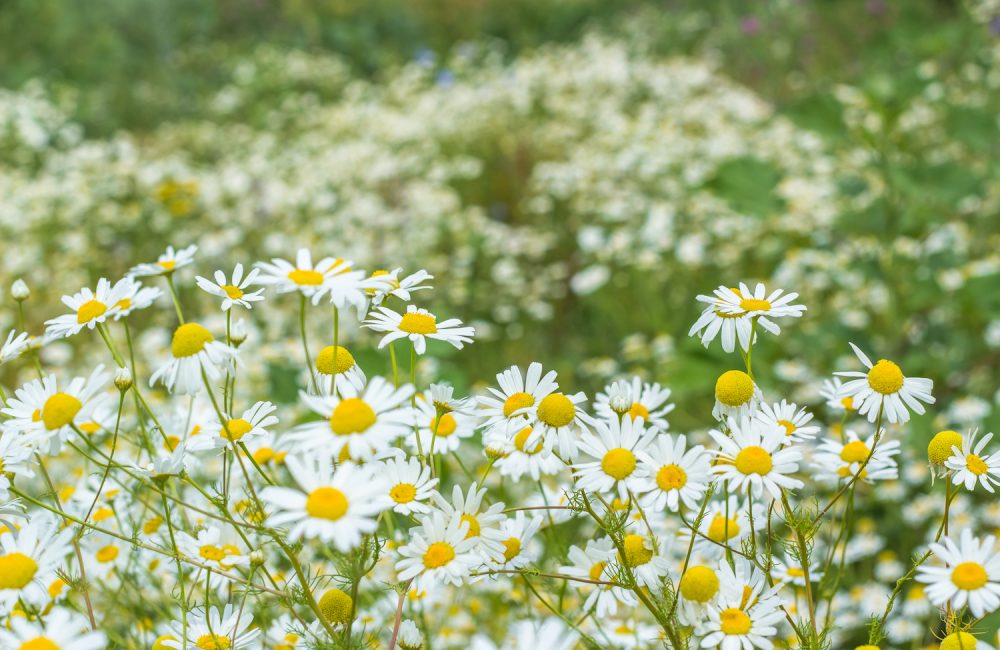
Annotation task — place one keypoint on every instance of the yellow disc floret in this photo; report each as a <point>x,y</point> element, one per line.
<point>734,621</point>
<point>734,388</point>
<point>159,645</point>
<point>39,643</point>
<point>325,360</point>
<point>699,584</point>
<point>976,465</point>
<point>671,477</point>
<point>752,304</point>
<point>416,323</point>
<point>59,410</point>
<point>326,503</point>
<point>16,570</point>
<point>336,606</point>
<point>189,340</point>
<point>939,449</point>
<point>637,410</point>
<point>306,277</point>
<point>969,576</point>
<point>351,415</point>
<point>556,410</point>
<point>855,452</point>
<point>521,439</point>
<point>235,429</point>
<point>444,426</point>
<point>754,460</point>
<point>403,493</point>
<point>516,402</point>
<point>637,550</point>
<point>511,548</point>
<point>885,377</point>
<point>90,310</point>
<point>722,529</point>
<point>618,463</point>
<point>438,554</point>
<point>958,641</point>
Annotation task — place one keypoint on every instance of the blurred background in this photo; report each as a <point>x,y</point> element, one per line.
<point>574,172</point>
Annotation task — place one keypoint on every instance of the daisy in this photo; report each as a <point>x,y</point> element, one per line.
<point>646,558</point>
<point>446,430</point>
<point>194,353</point>
<point>62,629</point>
<point>15,459</point>
<point>615,450</point>
<point>233,292</point>
<point>483,525</point>
<point>337,365</point>
<point>669,474</point>
<point>209,549</point>
<point>726,523</point>
<point>517,532</point>
<point>794,420</point>
<point>838,461</point>
<point>646,401</point>
<point>251,424</point>
<point>792,573</point>
<point>524,453</point>
<point>132,297</point>
<point>595,562</point>
<point>759,305</point>
<point>13,346</point>
<point>714,321</point>
<point>90,308</point>
<point>562,415</point>
<point>392,285</point>
<point>226,629</point>
<point>832,391</point>
<point>736,395</point>
<point>515,402</point>
<point>418,325</point>
<point>753,458</point>
<point>971,575</point>
<point>364,420</point>
<point>167,263</point>
<point>736,624</point>
<point>439,551</point>
<point>971,467</point>
<point>312,281</point>
<point>409,484</point>
<point>884,388</point>
<point>30,561</point>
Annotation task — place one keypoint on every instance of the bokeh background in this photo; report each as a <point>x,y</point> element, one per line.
<point>574,172</point>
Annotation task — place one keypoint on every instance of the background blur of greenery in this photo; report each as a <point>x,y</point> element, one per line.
<point>138,64</point>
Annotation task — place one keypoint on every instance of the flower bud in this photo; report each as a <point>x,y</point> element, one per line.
<point>123,379</point>
<point>19,290</point>
<point>257,558</point>
<point>239,333</point>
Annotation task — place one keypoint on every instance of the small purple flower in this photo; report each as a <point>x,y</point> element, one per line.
<point>750,25</point>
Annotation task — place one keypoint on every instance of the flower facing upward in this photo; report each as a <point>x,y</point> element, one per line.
<point>972,466</point>
<point>409,484</point>
<point>671,474</point>
<point>30,561</point>
<point>439,551</point>
<point>970,575</point>
<point>62,629</point>
<point>755,458</point>
<point>89,308</point>
<point>884,389</point>
<point>311,280</point>
<point>612,453</point>
<point>252,423</point>
<point>418,325</point>
<point>232,291</point>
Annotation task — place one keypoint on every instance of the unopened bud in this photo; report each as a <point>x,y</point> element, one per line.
<point>257,558</point>
<point>239,333</point>
<point>123,379</point>
<point>19,290</point>
<point>494,453</point>
<point>409,636</point>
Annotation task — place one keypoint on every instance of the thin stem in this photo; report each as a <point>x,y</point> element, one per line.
<point>305,341</point>
<point>173,295</point>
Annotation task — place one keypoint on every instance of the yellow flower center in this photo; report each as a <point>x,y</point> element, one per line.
<point>326,503</point>
<point>324,360</point>
<point>167,265</point>
<point>597,570</point>
<point>699,584</point>
<point>885,377</point>
<point>720,531</point>
<point>754,460</point>
<point>636,551</point>
<point>855,452</point>
<point>306,277</point>
<point>56,588</point>
<point>336,606</point>
<point>939,449</point>
<point>958,641</point>
<point>976,465</point>
<point>417,323</point>
<point>159,645</point>
<point>39,643</point>
<point>212,642</point>
<point>438,554</point>
<point>556,410</point>
<point>16,570</point>
<point>516,402</point>
<point>734,621</point>
<point>59,410</point>
<point>152,525</point>
<point>443,426</point>
<point>403,493</point>
<point>796,572</point>
<point>352,415</point>
<point>107,554</point>
<point>969,576</point>
<point>867,647</point>
<point>232,291</point>
<point>789,426</point>
<point>734,388</point>
<point>235,429</point>
<point>511,548</point>
<point>522,438</point>
<point>473,526</point>
<point>848,403</point>
<point>211,553</point>
<point>637,410</point>
<point>752,304</point>
<point>101,514</point>
<point>90,310</point>
<point>189,340</point>
<point>618,463</point>
<point>671,477</point>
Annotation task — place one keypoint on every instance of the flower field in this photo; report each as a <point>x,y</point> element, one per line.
<point>578,326</point>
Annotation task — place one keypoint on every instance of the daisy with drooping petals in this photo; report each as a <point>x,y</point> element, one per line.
<point>970,575</point>
<point>595,562</point>
<point>194,352</point>
<point>252,423</point>
<point>364,420</point>
<point>392,285</point>
<point>233,292</point>
<point>62,629</point>
<point>13,346</point>
<point>337,366</point>
<point>971,466</point>
<point>755,458</point>
<point>516,401</point>
<point>418,325</point>
<point>312,281</point>
<point>31,561</point>
<point>794,420</point>
<point>483,524</point>
<point>167,263</point>
<point>16,451</point>
<point>615,449</point>
<point>759,305</point>
<point>562,415</point>
<point>670,473</point>
<point>713,321</point>
<point>439,551</point>
<point>736,395</point>
<point>409,484</point>
<point>225,630</point>
<point>638,400</point>
<point>335,506</point>
<point>884,389</point>
<point>646,558</point>
<point>840,461</point>
<point>90,308</point>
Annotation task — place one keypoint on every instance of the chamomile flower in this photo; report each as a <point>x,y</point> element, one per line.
<point>252,423</point>
<point>794,420</point>
<point>832,391</point>
<point>970,575</point>
<point>483,525</point>
<point>639,400</point>
<point>418,325</point>
<point>562,415</point>
<point>62,629</point>
<point>167,263</point>
<point>726,523</point>
<point>364,420</point>
<point>393,285</point>
<point>646,558</point>
<point>759,305</point>
<point>439,551</point>
<point>232,291</point>
<point>30,561</point>
<point>736,395</point>
<point>714,321</point>
<point>524,453</point>
<point>735,624</point>
<point>225,630</point>
<point>16,451</point>
<point>792,573</point>
<point>211,550</point>
<point>515,403</point>
<point>311,280</point>
<point>195,356</point>
<point>840,461</point>
<point>885,390</point>
<point>754,458</point>
<point>516,533</point>
<point>596,562</point>
<point>13,346</point>
<point>336,365</point>
<point>409,484</point>
<point>971,466</point>
<point>447,430</point>
<point>133,297</point>
<point>670,473</point>
<point>615,451</point>
<point>334,506</point>
<point>89,309</point>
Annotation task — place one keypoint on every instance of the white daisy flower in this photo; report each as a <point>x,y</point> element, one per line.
<point>211,549</point>
<point>90,308</point>
<point>516,401</point>
<point>595,562</point>
<point>670,473</point>
<point>232,291</point>
<point>885,388</point>
<point>631,634</point>
<point>516,533</point>
<point>62,629</point>
<point>550,634</point>
<point>13,346</point>
<point>736,395</point>
<point>832,391</point>
<point>562,416</point>
<point>755,458</point>
<point>366,421</point>
<point>483,525</point>
<point>447,431</point>
<point>30,561</point>
<point>16,451</point>
<point>759,305</point>
<point>794,420</point>
<point>227,629</point>
<point>647,559</point>
<point>335,506</point>
<point>252,423</point>
<point>713,321</point>
<point>194,352</point>
<point>524,453</point>
<point>616,448</point>
<point>970,466</point>
<point>337,365</point>
<point>726,523</point>
<point>646,401</point>
<point>970,575</point>
<point>312,281</point>
<point>133,297</point>
<point>409,484</point>
<point>166,463</point>
<point>439,551</point>
<point>841,461</point>
<point>392,285</point>
<point>735,624</point>
<point>791,573</point>
<point>418,325</point>
<point>167,263</point>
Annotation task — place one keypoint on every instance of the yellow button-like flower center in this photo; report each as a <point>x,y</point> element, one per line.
<point>618,463</point>
<point>325,360</point>
<point>637,410</point>
<point>159,645</point>
<point>855,452</point>
<point>443,426</point>
<point>59,410</point>
<point>939,449</point>
<point>336,606</point>
<point>885,377</point>
<point>719,530</point>
<point>959,641</point>
<point>473,526</point>
<point>306,277</point>
<point>556,410</point>
<point>211,553</point>
<point>438,554</point>
<point>976,465</point>
<point>699,584</point>
<point>417,323</point>
<point>734,621</point>
<point>39,643</point>
<point>637,551</point>
<point>521,439</point>
<point>107,554</point>
<point>403,492</point>
<point>969,576</point>
<point>326,503</point>
<point>352,415</point>
<point>671,477</point>
<point>213,642</point>
<point>734,388</point>
<point>90,310</point>
<point>516,402</point>
<point>167,265</point>
<point>152,525</point>
<point>754,460</point>
<point>752,304</point>
<point>189,340</point>
<point>233,291</point>
<point>789,426</point>
<point>511,548</point>
<point>597,570</point>
<point>16,570</point>
<point>235,429</point>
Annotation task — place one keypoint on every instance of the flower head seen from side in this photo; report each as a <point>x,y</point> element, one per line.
<point>759,305</point>
<point>30,561</point>
<point>226,629</point>
<point>195,355</point>
<point>638,400</point>
<point>252,423</point>
<point>133,297</point>
<point>439,551</point>
<point>612,456</point>
<point>445,429</point>
<point>796,421</point>
<point>595,561</point>
<point>755,458</point>
<point>13,346</point>
<point>311,280</point>
<point>714,322</point>
<point>336,367</point>
<point>212,550</point>
<point>561,415</point>
<point>832,391</point>
<point>167,263</point>
<point>418,325</point>
<point>391,285</point>
<point>970,575</point>
<point>234,291</point>
<point>482,525</point>
<point>843,460</point>
<point>526,452</point>
<point>334,506</point>
<point>409,484</point>
<point>671,473</point>
<point>971,466</point>
<point>885,389</point>
<point>63,629</point>
<point>89,308</point>
<point>515,402</point>
<point>736,395</point>
<point>647,559</point>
